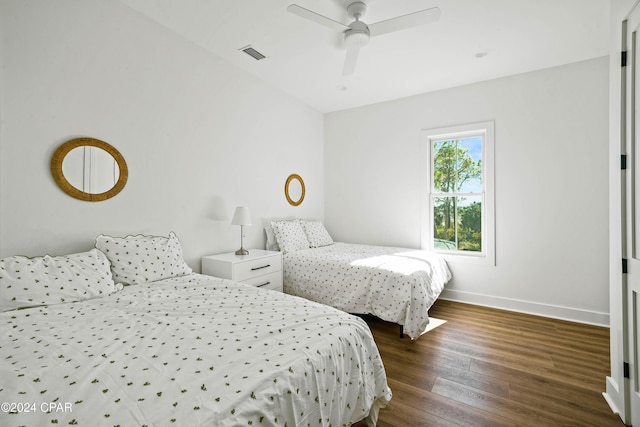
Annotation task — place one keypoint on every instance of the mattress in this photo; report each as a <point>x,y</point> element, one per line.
<point>192,350</point>
<point>394,284</point>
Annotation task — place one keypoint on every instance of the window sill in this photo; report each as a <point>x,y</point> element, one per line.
<point>467,259</point>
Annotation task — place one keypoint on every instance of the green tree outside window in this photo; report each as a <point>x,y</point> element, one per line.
<point>458,194</point>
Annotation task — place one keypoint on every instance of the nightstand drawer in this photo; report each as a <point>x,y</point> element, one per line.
<point>257,267</point>
<point>267,281</point>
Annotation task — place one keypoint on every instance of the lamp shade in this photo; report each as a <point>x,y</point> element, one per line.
<point>241,216</point>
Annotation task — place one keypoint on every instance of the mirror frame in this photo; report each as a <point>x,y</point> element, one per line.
<point>286,189</point>
<point>58,176</point>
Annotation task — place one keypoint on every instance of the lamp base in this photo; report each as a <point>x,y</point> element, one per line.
<point>242,251</point>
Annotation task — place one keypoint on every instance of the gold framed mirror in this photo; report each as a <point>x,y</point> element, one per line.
<point>89,169</point>
<point>294,191</point>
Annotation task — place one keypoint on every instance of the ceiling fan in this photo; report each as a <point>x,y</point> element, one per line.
<point>357,33</point>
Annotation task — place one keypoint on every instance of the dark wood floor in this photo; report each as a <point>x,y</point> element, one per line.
<point>488,367</point>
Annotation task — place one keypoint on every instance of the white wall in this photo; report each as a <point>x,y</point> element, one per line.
<point>551,185</point>
<point>199,135</point>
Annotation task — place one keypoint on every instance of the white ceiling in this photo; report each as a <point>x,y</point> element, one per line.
<point>305,59</point>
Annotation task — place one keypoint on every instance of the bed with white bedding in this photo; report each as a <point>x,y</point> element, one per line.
<point>186,349</point>
<point>394,284</point>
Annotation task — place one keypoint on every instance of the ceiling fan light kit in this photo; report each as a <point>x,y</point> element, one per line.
<point>358,33</point>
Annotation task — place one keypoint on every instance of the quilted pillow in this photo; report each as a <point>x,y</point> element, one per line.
<point>316,234</point>
<point>141,259</point>
<point>290,235</point>
<point>28,282</point>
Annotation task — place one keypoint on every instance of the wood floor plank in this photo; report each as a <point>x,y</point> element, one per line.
<point>446,409</point>
<point>490,348</point>
<point>489,367</point>
<point>406,416</point>
<point>471,379</point>
<point>574,406</point>
<point>517,412</point>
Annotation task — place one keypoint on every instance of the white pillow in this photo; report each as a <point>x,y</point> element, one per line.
<point>28,282</point>
<point>272,242</point>
<point>290,235</point>
<point>316,234</point>
<point>141,259</point>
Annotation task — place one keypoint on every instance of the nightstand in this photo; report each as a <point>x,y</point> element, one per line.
<point>260,268</point>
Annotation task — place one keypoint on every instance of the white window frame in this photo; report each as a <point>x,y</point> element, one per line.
<point>428,136</point>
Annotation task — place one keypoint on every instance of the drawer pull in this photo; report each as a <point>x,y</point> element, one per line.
<point>260,268</point>
<point>264,284</point>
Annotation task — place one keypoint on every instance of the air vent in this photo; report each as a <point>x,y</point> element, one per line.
<point>249,50</point>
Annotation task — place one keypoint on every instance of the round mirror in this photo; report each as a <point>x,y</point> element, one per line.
<point>89,169</point>
<point>294,189</point>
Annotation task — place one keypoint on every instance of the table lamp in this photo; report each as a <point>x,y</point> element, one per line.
<point>241,217</point>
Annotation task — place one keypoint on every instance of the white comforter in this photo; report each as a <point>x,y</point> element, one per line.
<point>394,284</point>
<point>188,351</point>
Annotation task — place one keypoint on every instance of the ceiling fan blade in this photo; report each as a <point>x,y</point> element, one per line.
<point>316,17</point>
<point>350,61</point>
<point>405,21</point>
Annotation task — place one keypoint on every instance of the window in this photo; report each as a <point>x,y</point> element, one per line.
<point>458,204</point>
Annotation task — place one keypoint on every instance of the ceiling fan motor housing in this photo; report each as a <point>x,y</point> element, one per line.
<point>356,10</point>
<point>357,35</point>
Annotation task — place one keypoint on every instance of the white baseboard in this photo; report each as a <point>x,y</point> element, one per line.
<point>610,397</point>
<point>614,397</point>
<point>546,310</point>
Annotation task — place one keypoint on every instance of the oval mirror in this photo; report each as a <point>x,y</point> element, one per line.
<point>294,189</point>
<point>89,169</point>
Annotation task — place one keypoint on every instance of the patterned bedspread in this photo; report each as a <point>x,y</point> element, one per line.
<point>394,284</point>
<point>188,351</point>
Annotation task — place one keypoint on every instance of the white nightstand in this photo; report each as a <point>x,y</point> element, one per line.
<point>260,268</point>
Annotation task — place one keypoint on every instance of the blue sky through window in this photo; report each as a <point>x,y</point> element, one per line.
<point>474,147</point>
